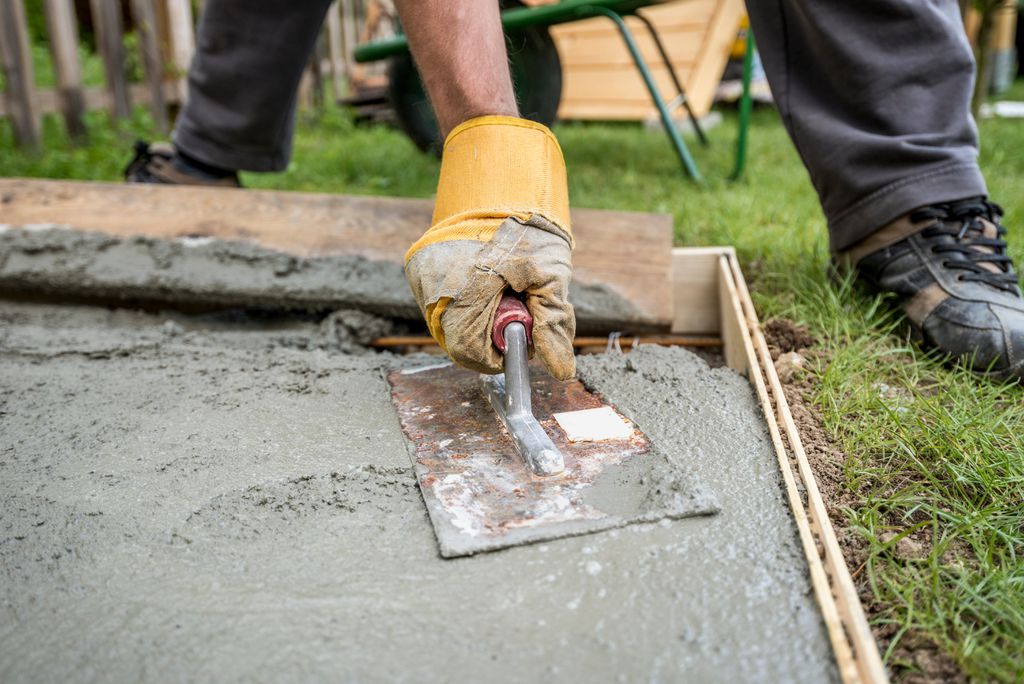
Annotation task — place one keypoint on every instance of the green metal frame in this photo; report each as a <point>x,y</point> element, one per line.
<point>685,158</point>
<point>516,18</point>
<point>746,106</point>
<point>575,10</point>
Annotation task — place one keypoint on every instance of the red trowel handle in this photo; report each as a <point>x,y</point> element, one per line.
<point>510,310</point>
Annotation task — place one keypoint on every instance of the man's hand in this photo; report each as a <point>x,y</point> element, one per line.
<point>501,220</point>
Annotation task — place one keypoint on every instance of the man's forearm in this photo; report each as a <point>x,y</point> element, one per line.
<point>459,49</point>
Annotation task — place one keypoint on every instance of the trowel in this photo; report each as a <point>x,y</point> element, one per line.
<point>503,461</point>
<point>509,392</point>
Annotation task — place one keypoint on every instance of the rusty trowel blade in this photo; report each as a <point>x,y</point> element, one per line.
<point>479,492</point>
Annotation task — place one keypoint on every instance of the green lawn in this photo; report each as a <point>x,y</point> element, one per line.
<point>932,452</point>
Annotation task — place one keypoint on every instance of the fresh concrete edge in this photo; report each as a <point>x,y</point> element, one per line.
<point>746,351</point>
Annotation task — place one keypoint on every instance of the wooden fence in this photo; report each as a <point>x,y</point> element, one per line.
<point>164,33</point>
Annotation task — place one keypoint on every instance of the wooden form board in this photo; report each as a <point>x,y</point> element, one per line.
<point>315,225</point>
<point>695,290</point>
<point>715,273</point>
<point>600,80</point>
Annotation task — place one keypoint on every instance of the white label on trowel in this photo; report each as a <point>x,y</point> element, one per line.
<point>594,425</point>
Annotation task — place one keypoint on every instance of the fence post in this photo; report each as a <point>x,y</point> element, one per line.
<point>335,50</point>
<point>183,45</point>
<point>62,26</point>
<point>316,72</point>
<point>106,19</point>
<point>17,64</point>
<point>349,31</point>
<point>144,13</point>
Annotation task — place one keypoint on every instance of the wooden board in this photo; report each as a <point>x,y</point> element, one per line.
<point>627,252</point>
<point>600,80</point>
<point>714,272</point>
<point>695,295</point>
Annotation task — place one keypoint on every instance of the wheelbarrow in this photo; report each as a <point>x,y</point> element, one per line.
<point>537,73</point>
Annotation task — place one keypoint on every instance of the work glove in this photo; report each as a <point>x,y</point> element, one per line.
<point>501,220</point>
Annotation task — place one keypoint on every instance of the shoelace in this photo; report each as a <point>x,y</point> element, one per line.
<point>962,222</point>
<point>141,159</point>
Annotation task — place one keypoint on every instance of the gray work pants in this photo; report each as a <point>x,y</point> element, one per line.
<point>874,93</point>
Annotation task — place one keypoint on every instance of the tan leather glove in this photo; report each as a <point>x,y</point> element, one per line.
<point>501,220</point>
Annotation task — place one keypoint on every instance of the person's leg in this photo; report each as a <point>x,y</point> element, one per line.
<point>242,84</point>
<point>876,97</point>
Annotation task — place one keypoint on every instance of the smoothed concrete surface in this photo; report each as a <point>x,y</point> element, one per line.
<point>182,500</point>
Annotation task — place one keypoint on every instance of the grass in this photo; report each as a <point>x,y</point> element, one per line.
<point>934,454</point>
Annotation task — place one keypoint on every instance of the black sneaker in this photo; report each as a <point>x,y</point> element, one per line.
<point>159,163</point>
<point>955,281</point>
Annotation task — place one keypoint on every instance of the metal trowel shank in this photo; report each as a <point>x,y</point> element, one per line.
<point>509,392</point>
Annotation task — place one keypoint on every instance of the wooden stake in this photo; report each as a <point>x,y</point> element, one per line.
<point>316,73</point>
<point>62,26</point>
<point>106,18</point>
<point>183,45</point>
<point>335,50</point>
<point>17,65</point>
<point>349,31</point>
<point>145,16</point>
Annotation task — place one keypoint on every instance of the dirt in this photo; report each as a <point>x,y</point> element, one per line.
<point>917,659</point>
<point>785,336</point>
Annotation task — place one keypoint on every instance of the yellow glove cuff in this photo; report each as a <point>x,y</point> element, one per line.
<point>496,167</point>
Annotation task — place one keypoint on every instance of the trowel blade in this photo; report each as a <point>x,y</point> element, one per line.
<point>479,492</point>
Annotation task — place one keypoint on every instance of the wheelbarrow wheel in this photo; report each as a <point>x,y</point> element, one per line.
<point>536,76</point>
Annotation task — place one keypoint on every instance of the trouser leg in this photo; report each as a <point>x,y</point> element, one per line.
<point>876,97</point>
<point>243,81</point>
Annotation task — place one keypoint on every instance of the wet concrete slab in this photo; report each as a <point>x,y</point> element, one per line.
<point>186,499</point>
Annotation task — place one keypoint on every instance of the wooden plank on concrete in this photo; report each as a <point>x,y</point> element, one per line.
<point>16,60</point>
<point>628,255</point>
